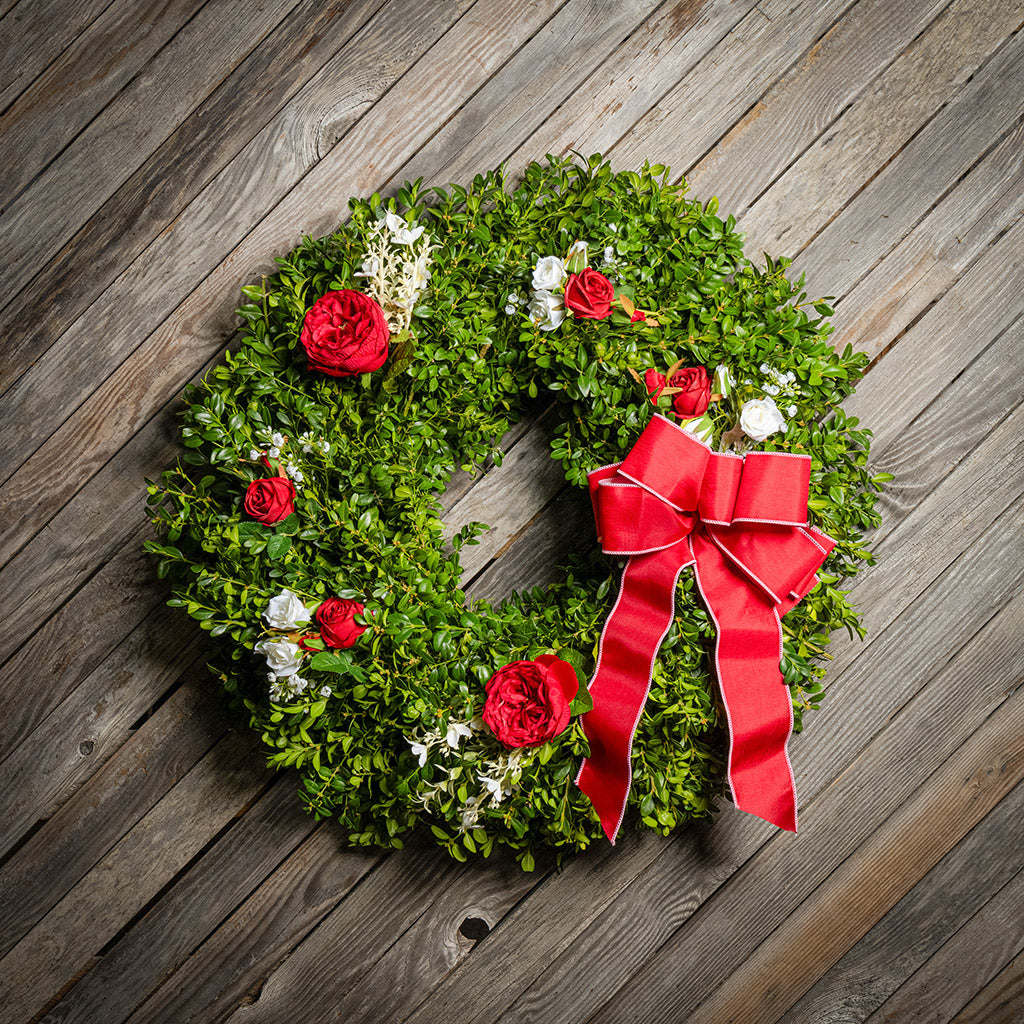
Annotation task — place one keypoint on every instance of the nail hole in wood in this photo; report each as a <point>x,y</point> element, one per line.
<point>474,928</point>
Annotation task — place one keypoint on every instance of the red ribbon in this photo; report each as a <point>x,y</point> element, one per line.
<point>741,522</point>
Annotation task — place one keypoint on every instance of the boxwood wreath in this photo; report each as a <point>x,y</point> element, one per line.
<point>302,526</point>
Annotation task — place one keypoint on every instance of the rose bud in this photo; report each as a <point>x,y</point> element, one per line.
<point>589,295</point>
<point>336,618</point>
<point>528,701</point>
<point>270,500</point>
<point>695,394</point>
<point>345,333</point>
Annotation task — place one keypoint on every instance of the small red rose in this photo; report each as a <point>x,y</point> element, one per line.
<point>345,333</point>
<point>589,295</point>
<point>528,701</point>
<point>270,500</point>
<point>336,618</point>
<point>655,383</point>
<point>695,395</point>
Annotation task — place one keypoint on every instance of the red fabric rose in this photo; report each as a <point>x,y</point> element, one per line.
<point>655,383</point>
<point>589,295</point>
<point>345,333</point>
<point>270,500</point>
<point>696,392</point>
<point>528,701</point>
<point>336,619</point>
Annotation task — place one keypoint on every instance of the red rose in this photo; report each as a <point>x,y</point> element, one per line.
<point>528,701</point>
<point>696,392</point>
<point>336,618</point>
<point>345,333</point>
<point>655,384</point>
<point>270,500</point>
<point>589,295</point>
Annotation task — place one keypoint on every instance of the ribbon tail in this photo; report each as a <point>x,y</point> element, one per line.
<point>629,645</point>
<point>757,701</point>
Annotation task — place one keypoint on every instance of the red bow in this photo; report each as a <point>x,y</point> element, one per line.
<point>742,524</point>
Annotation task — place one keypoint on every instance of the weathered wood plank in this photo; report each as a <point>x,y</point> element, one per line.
<point>930,259</point>
<point>892,111</point>
<point>65,647</point>
<point>665,48</point>
<point>135,869</point>
<point>564,527</point>
<point>200,147</point>
<point>987,298</point>
<point>33,33</point>
<point>870,881</point>
<point>84,731</point>
<point>689,119</point>
<point>107,152</point>
<point>967,962</point>
<point>80,83</point>
<point>911,933</point>
<point>802,105</point>
<point>365,926</point>
<point>919,457</point>
<point>230,967</point>
<point>546,75</point>
<point>208,892</point>
<point>833,814</point>
<point>426,952</point>
<point>78,836</point>
<point>1001,1001</point>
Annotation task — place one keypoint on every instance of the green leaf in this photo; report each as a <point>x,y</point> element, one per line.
<point>331,661</point>
<point>278,545</point>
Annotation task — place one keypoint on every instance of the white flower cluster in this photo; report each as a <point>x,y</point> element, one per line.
<point>396,266</point>
<point>286,611</point>
<point>275,447</point>
<point>497,770</point>
<point>311,444</point>
<point>610,263</point>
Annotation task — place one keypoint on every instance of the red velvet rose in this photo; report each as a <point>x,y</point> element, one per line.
<point>655,383</point>
<point>345,333</point>
<point>696,392</point>
<point>336,619</point>
<point>270,500</point>
<point>589,295</point>
<point>528,701</point>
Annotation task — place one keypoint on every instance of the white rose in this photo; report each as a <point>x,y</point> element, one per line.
<point>548,274</point>
<point>760,417</point>
<point>400,231</point>
<point>547,311</point>
<point>286,611</point>
<point>283,657</point>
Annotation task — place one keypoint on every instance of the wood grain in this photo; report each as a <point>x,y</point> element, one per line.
<point>80,83</point>
<point>103,155</point>
<point>807,100</point>
<point>1001,1001</point>
<point>967,879</point>
<point>33,33</point>
<point>198,150</point>
<point>896,106</point>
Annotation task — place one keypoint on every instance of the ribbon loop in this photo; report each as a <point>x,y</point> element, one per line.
<point>741,523</point>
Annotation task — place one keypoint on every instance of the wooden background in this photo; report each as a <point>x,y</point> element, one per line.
<point>154,157</point>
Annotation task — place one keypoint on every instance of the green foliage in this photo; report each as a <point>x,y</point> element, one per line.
<point>376,452</point>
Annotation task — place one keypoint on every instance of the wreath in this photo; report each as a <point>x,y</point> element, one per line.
<point>302,526</point>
